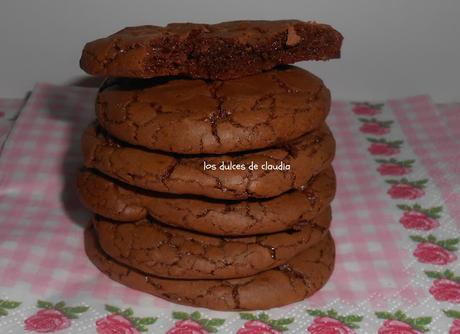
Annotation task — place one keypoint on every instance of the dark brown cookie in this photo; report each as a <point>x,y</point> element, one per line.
<point>306,156</point>
<point>174,253</point>
<point>249,113</point>
<point>296,280</point>
<point>209,51</point>
<point>121,202</point>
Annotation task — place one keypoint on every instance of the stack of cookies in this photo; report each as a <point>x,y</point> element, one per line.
<point>209,166</point>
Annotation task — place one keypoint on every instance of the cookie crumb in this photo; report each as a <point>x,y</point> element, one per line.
<point>292,38</point>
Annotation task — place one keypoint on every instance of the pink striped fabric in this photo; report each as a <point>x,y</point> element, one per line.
<point>433,137</point>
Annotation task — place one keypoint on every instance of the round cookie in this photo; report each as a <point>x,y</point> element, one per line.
<point>197,116</point>
<point>211,51</point>
<point>121,202</point>
<point>165,251</point>
<point>306,156</point>
<point>294,281</point>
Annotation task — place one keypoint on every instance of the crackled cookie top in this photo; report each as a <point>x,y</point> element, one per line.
<point>293,281</point>
<point>210,51</point>
<point>197,116</point>
<point>305,156</point>
<point>169,252</point>
<point>119,201</point>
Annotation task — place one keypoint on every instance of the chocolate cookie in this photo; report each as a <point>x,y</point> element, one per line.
<point>305,156</point>
<point>296,280</point>
<point>165,251</point>
<point>211,51</point>
<point>249,113</point>
<point>121,202</point>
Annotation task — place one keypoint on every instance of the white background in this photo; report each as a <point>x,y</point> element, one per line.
<point>392,48</point>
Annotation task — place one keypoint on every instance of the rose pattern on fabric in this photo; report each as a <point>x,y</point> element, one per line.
<point>256,327</point>
<point>326,325</point>
<point>393,169</point>
<point>194,323</point>
<point>47,321</point>
<point>400,323</point>
<point>446,290</point>
<point>115,323</point>
<point>367,109</point>
<point>397,327</point>
<point>405,191</point>
<point>330,322</point>
<point>427,252</point>
<point>262,324</point>
<point>418,218</point>
<point>122,322</point>
<point>52,317</point>
<point>187,327</point>
<point>382,149</point>
<point>455,327</point>
<point>374,128</point>
<point>418,221</point>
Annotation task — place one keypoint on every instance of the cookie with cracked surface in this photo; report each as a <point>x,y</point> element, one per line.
<point>294,281</point>
<point>121,202</point>
<point>197,116</point>
<point>306,156</point>
<point>210,51</point>
<point>169,252</point>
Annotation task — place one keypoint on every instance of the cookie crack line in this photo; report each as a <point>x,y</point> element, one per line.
<point>217,119</point>
<point>220,112</point>
<point>314,265</point>
<point>169,252</point>
<point>174,174</point>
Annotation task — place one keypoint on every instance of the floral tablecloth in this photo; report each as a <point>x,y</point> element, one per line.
<point>396,226</point>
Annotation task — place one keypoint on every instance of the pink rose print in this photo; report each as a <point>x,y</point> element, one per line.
<point>47,321</point>
<point>365,110</point>
<point>382,149</point>
<point>446,290</point>
<point>427,252</point>
<point>405,191</point>
<point>52,317</point>
<point>400,323</point>
<point>194,324</point>
<point>122,322</point>
<point>262,324</point>
<point>115,323</point>
<point>330,322</point>
<point>418,221</point>
<point>374,128</point>
<point>256,327</point>
<point>397,327</point>
<point>326,325</point>
<point>394,169</point>
<point>455,328</point>
<point>187,327</point>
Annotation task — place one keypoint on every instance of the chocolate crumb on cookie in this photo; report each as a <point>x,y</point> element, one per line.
<point>305,156</point>
<point>121,202</point>
<point>209,51</point>
<point>249,113</point>
<point>166,251</point>
<point>293,281</point>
